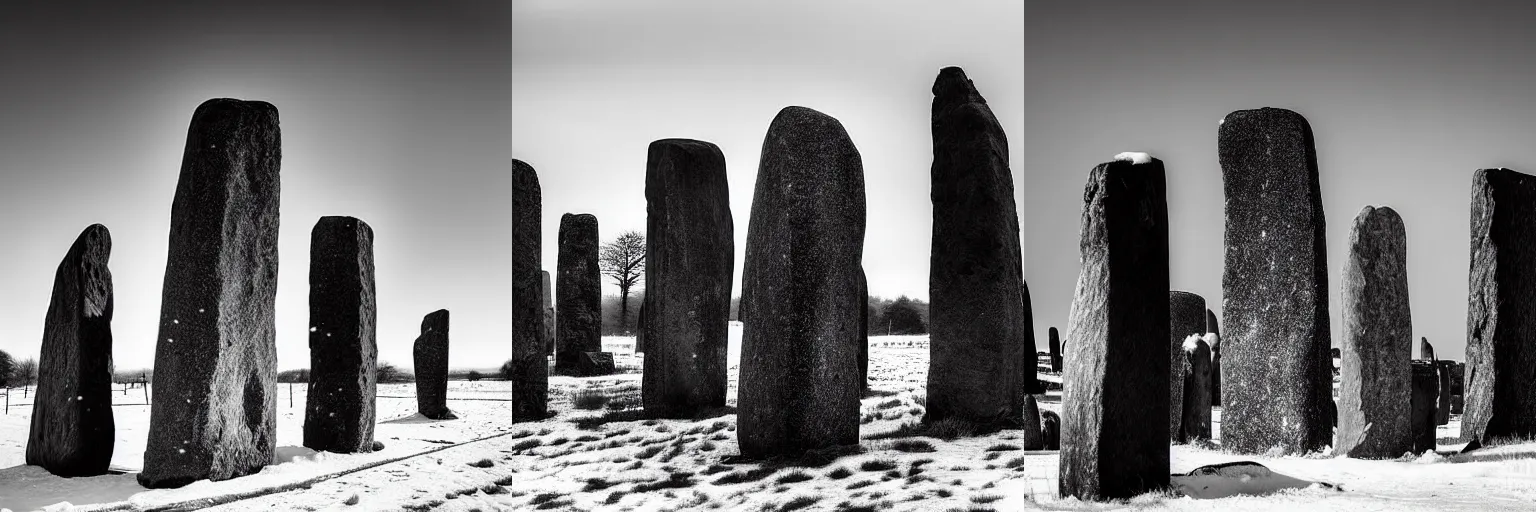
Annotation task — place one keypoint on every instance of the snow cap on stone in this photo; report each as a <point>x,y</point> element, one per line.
<point>1134,157</point>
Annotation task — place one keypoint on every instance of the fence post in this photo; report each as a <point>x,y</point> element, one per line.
<point>144,381</point>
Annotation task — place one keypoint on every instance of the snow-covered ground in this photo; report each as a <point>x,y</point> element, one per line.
<point>608,458</point>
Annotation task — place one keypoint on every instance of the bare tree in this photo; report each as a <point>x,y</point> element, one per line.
<point>623,259</point>
<point>7,369</point>
<point>26,372</point>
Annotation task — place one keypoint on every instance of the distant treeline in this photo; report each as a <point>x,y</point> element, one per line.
<point>901,315</point>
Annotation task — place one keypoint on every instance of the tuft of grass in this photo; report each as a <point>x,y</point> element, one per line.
<point>921,462</point>
<point>716,468</point>
<point>794,476</point>
<point>493,489</point>
<point>1003,447</point>
<point>737,477</point>
<point>588,438</point>
<point>613,498</point>
<point>506,480</point>
<point>913,446</point>
<point>350,501</point>
<point>649,452</point>
<point>483,463</point>
<point>860,484</point>
<point>559,441</point>
<point>993,455</point>
<point>596,484</point>
<point>526,444</point>
<point>673,481</point>
<point>1017,462</point>
<point>894,402</point>
<point>839,473</point>
<point>590,399</point>
<point>707,446</point>
<point>799,502</point>
<point>944,493</point>
<point>983,499</point>
<point>946,429</point>
<point>877,465</point>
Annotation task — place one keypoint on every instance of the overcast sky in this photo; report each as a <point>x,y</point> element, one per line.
<point>594,83</point>
<point>1406,99</point>
<point>394,112</point>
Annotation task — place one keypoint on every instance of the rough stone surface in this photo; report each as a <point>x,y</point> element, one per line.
<point>640,329</point>
<point>1277,378</point>
<point>1050,430</point>
<point>690,258</point>
<point>863,331</point>
<point>1054,339</point>
<point>1212,328</point>
<point>1426,351</point>
<point>339,412</point>
<point>431,358</point>
<point>72,428</point>
<point>1186,316</point>
<point>1421,406</point>
<point>1458,376</point>
<point>1115,390</point>
<point>799,384</point>
<point>1195,412</point>
<point>981,351</point>
<point>530,366</point>
<point>214,412</point>
<point>1378,339</point>
<point>547,289</point>
<point>594,364</point>
<point>578,292</point>
<point>1443,397</point>
<point>1031,435</point>
<point>1500,393</point>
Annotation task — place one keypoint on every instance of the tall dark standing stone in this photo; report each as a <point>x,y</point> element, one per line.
<point>431,357</point>
<point>1443,398</point>
<point>1186,316</point>
<point>1421,421</point>
<point>214,412</point>
<point>343,350</point>
<point>1050,430</point>
<point>1378,339</point>
<point>1054,339</point>
<point>1195,412</point>
<point>690,258</point>
<point>578,293</point>
<point>530,365</point>
<point>982,351</point>
<point>1501,317</point>
<point>1033,438</point>
<point>1277,378</point>
<point>863,331</point>
<point>799,386</point>
<point>547,290</point>
<point>1426,351</point>
<point>1211,327</point>
<point>1458,377</point>
<point>640,329</point>
<point>1115,386</point>
<point>72,429</point>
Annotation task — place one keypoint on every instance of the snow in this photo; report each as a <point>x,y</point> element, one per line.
<point>1134,157</point>
<point>1192,343</point>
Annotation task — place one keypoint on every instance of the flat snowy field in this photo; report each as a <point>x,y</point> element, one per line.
<point>606,458</point>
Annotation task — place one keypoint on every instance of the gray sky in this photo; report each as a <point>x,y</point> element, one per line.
<point>594,83</point>
<point>393,112</point>
<point>1406,99</point>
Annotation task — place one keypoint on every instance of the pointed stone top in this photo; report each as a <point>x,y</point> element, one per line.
<point>436,321</point>
<point>952,88</point>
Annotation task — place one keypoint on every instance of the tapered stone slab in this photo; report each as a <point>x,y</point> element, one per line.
<point>863,331</point>
<point>1378,339</point>
<point>530,345</point>
<point>1276,375</point>
<point>1425,384</point>
<point>547,289</point>
<point>1426,350</point>
<point>1195,411</point>
<point>431,357</point>
<point>339,412</point>
<point>690,258</point>
<point>1186,316</point>
<point>1443,398</point>
<point>799,384</point>
<point>1054,339</point>
<point>1115,390</point>
<point>1211,327</point>
<point>982,352</point>
<point>214,413</point>
<point>1500,392</point>
<point>1031,435</point>
<point>1050,430</point>
<point>593,364</point>
<point>578,293</point>
<point>1458,377</point>
<point>72,427</point>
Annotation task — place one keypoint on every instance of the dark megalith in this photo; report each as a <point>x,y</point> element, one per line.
<point>981,352</point>
<point>1215,341</point>
<point>1458,376</point>
<point>214,413</point>
<point>863,331</point>
<point>640,329</point>
<point>1443,397</point>
<point>593,364</point>
<point>531,337</point>
<point>1500,390</point>
<point>1374,376</point>
<point>431,357</point>
<point>547,289</point>
<point>1195,412</point>
<point>1115,387</point>
<point>1421,405</point>
<point>72,428</point>
<point>1426,351</point>
<point>343,349</point>
<point>1050,431</point>
<point>799,384</point>
<point>578,292</point>
<point>1054,340</point>
<point>1033,438</point>
<point>690,258</point>
<point>1186,316</point>
<point>1277,379</point>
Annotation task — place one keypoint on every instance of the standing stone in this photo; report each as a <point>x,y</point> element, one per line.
<point>1034,439</point>
<point>1277,378</point>
<point>1426,351</point>
<point>1054,339</point>
<point>799,384</point>
<point>72,429</point>
<point>1215,341</point>
<point>431,358</point>
<point>1195,413</point>
<point>1421,420</point>
<point>863,331</point>
<point>1458,374</point>
<point>579,293</point>
<point>592,364</point>
<point>640,329</point>
<point>1115,390</point>
<point>1501,317</point>
<point>1050,431</point>
<point>690,258</point>
<point>530,363</point>
<point>547,290</point>
<point>1443,398</point>
<point>214,412</point>
<point>1378,339</point>
<point>343,351</point>
<point>981,345</point>
<point>1186,316</point>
